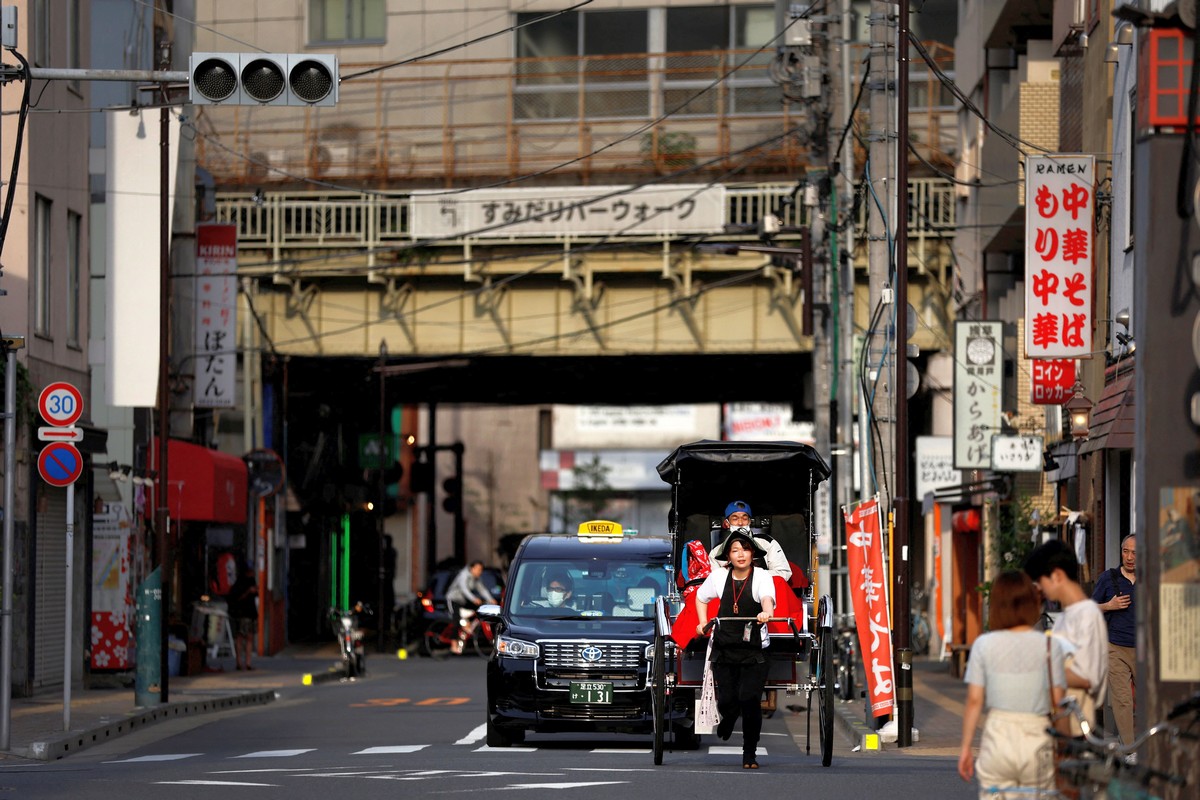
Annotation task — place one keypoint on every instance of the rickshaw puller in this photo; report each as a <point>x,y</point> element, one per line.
<point>739,664</point>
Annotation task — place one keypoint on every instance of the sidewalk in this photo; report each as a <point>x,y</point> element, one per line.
<point>105,709</point>
<point>937,714</point>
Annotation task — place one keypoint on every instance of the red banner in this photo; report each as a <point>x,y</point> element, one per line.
<point>868,590</point>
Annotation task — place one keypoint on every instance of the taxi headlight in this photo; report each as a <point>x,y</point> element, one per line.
<point>515,648</point>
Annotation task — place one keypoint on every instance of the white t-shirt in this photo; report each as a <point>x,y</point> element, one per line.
<point>762,584</point>
<point>1011,667</point>
<point>1085,633</point>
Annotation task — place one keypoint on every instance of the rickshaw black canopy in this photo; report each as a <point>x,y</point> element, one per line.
<point>777,479</point>
<point>773,477</point>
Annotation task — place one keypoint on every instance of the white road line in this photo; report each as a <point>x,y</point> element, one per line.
<point>396,748</point>
<point>163,757</point>
<point>213,783</point>
<point>582,785</point>
<point>474,736</point>
<point>486,749</point>
<point>252,771</point>
<point>275,753</point>
<point>637,751</point>
<point>717,750</point>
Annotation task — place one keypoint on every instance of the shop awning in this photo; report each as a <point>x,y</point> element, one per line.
<point>205,485</point>
<point>1111,424</point>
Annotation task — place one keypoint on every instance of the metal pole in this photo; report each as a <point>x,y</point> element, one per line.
<point>846,301</point>
<point>10,466</point>
<point>430,508</point>
<point>904,698</point>
<point>70,600</point>
<point>382,614</point>
<point>162,486</point>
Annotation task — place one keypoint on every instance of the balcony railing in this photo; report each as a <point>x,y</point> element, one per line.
<point>597,119</point>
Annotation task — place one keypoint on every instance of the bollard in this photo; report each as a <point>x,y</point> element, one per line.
<point>147,686</point>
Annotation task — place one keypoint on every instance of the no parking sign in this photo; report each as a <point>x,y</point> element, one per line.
<point>60,464</point>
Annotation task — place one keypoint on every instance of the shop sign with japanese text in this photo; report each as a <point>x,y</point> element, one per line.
<point>1059,241</point>
<point>1017,453</point>
<point>868,593</point>
<point>216,315</point>
<point>1051,381</point>
<point>978,387</point>
<point>569,211</point>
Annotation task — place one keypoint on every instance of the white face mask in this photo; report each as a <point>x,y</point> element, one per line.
<point>556,598</point>
<point>742,530</point>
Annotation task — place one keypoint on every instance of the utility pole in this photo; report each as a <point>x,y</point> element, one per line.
<point>900,548</point>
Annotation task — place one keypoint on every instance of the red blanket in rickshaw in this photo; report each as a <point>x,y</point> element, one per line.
<point>787,604</point>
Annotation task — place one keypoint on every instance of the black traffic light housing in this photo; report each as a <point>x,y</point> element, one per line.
<point>452,503</point>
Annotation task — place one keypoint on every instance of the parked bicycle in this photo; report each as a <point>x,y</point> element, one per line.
<point>1099,767</point>
<point>921,631</point>
<point>448,636</point>
<point>846,657</point>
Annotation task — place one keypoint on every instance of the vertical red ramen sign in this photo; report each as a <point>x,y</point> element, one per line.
<point>868,591</point>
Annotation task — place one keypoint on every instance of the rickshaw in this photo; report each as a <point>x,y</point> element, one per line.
<point>778,480</point>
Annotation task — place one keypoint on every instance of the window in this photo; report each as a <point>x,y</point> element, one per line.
<point>74,276</point>
<point>40,33</point>
<point>577,64</point>
<point>41,266</point>
<point>347,21</point>
<point>74,40</point>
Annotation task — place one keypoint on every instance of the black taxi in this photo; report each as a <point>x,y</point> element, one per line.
<point>574,637</point>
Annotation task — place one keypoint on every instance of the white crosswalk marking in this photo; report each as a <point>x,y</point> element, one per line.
<point>275,753</point>
<point>474,736</point>
<point>162,757</point>
<point>726,750</point>
<point>212,783</point>
<point>397,748</point>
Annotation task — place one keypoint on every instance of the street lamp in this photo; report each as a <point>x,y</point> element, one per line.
<point>1080,409</point>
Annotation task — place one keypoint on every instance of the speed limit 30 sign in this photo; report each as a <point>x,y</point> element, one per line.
<point>60,404</point>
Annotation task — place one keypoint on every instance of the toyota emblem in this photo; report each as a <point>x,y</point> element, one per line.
<point>592,654</point>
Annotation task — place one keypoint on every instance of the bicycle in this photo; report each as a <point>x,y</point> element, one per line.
<point>845,657</point>
<point>1103,766</point>
<point>921,632</point>
<point>447,636</point>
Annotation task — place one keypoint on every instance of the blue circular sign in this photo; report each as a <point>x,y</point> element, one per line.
<point>60,464</point>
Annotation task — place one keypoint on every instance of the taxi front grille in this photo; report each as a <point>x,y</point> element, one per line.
<point>592,712</point>
<point>590,656</point>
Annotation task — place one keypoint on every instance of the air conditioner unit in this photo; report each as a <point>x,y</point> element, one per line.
<point>335,159</point>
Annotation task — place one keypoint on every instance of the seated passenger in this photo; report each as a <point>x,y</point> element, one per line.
<point>737,519</point>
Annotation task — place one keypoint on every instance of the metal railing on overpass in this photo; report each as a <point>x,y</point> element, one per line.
<point>298,220</point>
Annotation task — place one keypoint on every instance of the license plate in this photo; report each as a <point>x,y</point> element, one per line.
<point>591,692</point>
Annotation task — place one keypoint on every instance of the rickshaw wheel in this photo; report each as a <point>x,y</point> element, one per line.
<point>659,678</point>
<point>825,677</point>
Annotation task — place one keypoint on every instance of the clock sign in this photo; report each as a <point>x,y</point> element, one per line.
<point>981,350</point>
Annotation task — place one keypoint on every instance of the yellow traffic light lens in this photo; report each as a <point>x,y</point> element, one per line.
<point>262,80</point>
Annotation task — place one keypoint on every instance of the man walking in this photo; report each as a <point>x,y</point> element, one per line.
<point>1114,596</point>
<point>1053,567</point>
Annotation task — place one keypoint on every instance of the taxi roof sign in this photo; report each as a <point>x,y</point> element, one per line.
<point>600,527</point>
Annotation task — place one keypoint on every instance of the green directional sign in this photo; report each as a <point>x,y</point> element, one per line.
<point>374,452</point>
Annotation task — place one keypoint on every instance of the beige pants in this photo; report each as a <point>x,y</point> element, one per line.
<point>1122,669</point>
<point>1015,751</point>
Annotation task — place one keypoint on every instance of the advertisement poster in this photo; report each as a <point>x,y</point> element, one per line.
<point>868,591</point>
<point>1179,586</point>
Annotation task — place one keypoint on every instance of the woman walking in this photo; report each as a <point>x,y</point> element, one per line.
<point>738,662</point>
<point>1016,673</point>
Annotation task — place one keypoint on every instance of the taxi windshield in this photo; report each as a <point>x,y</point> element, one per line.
<point>592,588</point>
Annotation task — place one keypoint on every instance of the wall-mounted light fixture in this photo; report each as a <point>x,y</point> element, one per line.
<point>1080,409</point>
<point>1123,38</point>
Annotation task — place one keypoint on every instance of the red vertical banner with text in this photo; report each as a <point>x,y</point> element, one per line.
<point>868,591</point>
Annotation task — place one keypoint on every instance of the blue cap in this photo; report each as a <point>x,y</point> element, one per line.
<point>737,505</point>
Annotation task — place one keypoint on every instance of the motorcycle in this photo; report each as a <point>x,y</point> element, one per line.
<point>350,639</point>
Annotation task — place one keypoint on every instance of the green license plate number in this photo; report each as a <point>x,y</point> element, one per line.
<point>591,692</point>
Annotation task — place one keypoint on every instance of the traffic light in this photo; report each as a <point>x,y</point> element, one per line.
<point>420,480</point>
<point>453,489</point>
<point>269,79</point>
